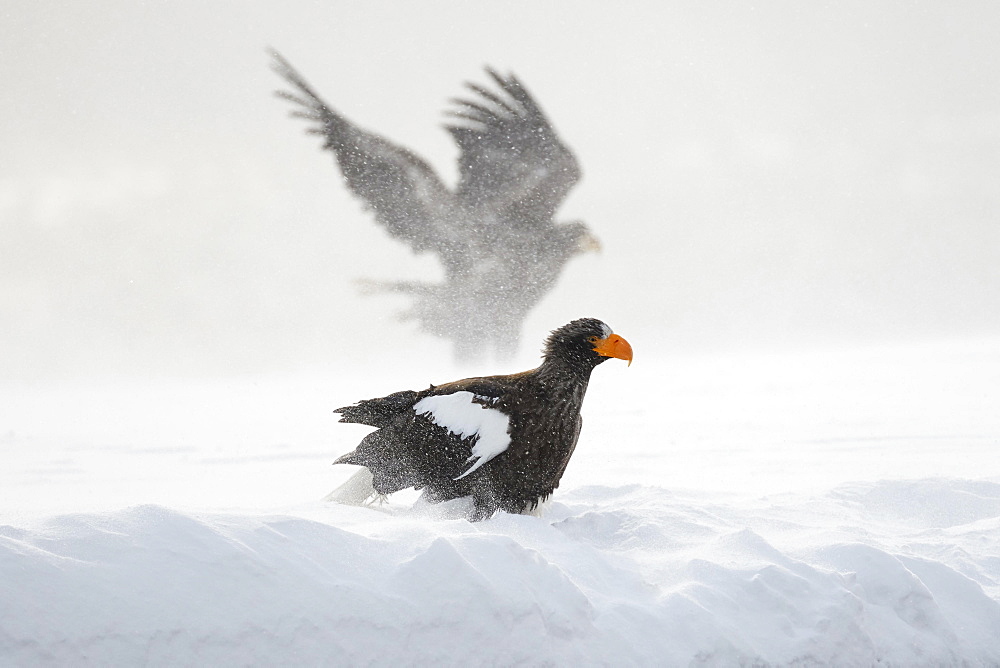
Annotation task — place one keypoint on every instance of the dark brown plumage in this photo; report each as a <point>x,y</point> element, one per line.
<point>505,441</point>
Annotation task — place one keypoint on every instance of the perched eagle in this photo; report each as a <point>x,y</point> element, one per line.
<point>494,234</point>
<point>504,441</point>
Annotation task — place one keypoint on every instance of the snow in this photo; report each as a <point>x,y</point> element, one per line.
<point>461,415</point>
<point>823,508</point>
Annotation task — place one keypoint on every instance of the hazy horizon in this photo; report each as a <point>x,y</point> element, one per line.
<point>780,176</point>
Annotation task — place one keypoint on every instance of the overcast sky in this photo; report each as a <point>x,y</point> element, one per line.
<point>775,175</point>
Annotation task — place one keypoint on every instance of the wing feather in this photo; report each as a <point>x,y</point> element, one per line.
<point>405,194</point>
<point>511,158</point>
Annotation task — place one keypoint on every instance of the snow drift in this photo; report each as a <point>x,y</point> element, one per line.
<point>615,576</point>
<point>871,538</point>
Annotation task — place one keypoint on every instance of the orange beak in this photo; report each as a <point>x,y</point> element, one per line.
<point>614,346</point>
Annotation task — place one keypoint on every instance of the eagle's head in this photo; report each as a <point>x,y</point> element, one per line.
<point>585,343</point>
<point>576,238</point>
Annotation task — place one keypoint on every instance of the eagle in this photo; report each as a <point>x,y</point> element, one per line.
<point>495,233</point>
<point>504,440</point>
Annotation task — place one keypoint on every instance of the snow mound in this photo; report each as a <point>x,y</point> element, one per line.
<point>627,575</point>
<point>838,508</point>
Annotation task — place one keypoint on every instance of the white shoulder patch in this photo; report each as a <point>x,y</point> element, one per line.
<point>460,415</point>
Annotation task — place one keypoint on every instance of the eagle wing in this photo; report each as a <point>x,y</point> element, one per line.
<point>432,438</point>
<point>407,197</point>
<point>512,161</point>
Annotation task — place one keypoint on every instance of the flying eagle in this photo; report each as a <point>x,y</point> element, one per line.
<point>494,234</point>
<point>504,441</point>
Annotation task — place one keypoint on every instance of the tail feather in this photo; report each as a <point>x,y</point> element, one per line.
<point>357,491</point>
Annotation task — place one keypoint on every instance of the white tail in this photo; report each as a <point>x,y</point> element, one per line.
<point>357,491</point>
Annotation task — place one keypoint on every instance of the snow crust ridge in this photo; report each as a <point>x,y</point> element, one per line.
<point>633,575</point>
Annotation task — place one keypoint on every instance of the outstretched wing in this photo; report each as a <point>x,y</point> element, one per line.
<point>512,160</point>
<point>408,198</point>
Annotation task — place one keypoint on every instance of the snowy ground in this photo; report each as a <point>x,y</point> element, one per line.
<point>826,508</point>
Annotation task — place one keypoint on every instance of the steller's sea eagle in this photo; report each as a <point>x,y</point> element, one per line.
<point>495,233</point>
<point>504,441</point>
